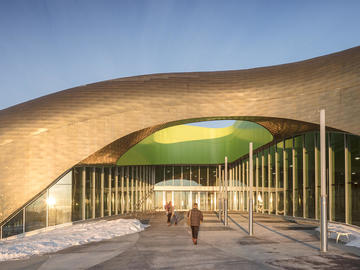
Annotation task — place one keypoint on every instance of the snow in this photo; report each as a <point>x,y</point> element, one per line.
<point>354,236</point>
<point>60,237</point>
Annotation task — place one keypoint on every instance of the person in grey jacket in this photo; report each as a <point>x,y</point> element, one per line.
<point>195,217</point>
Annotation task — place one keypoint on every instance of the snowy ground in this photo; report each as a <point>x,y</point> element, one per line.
<point>354,236</point>
<point>63,237</point>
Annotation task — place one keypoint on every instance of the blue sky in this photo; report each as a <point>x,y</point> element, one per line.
<point>214,124</point>
<point>47,46</point>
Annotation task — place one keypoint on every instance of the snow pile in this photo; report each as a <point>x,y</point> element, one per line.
<point>64,237</point>
<point>354,236</point>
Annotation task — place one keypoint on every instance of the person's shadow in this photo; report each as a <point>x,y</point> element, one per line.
<point>179,216</point>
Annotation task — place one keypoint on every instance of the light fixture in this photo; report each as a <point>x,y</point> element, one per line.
<point>357,158</point>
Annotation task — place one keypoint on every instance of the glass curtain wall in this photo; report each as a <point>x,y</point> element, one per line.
<point>35,214</point>
<point>338,143</point>
<point>97,192</point>
<point>286,173</point>
<point>280,177</point>
<point>260,195</point>
<point>76,200</point>
<point>212,176</point>
<point>309,175</point>
<point>59,201</point>
<point>288,176</point>
<point>194,176</point>
<point>159,175</point>
<point>265,180</point>
<point>186,176</point>
<point>88,189</point>
<point>73,196</point>
<point>203,176</point>
<point>298,176</point>
<point>14,226</point>
<point>272,177</point>
<point>354,160</point>
<point>177,176</point>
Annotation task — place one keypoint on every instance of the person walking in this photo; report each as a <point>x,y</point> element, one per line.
<point>195,217</point>
<point>169,208</point>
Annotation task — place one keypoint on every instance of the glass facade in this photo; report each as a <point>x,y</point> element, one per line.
<point>337,141</point>
<point>77,199</point>
<point>298,176</point>
<point>286,182</point>
<point>309,173</point>
<point>59,201</point>
<point>35,214</point>
<point>14,226</point>
<point>354,160</point>
<point>82,193</point>
<point>98,172</point>
<point>280,177</point>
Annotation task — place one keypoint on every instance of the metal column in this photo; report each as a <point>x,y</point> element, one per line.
<point>127,190</point>
<point>102,193</point>
<point>317,178</point>
<point>285,179</point>
<point>305,179</point>
<point>331,180</point>
<point>294,179</point>
<point>251,172</point>
<point>109,193</point>
<point>93,200</point>
<point>132,189</point>
<point>226,193</point>
<point>263,182</point>
<point>83,186</point>
<point>122,199</point>
<point>116,190</point>
<point>137,188</point>
<point>324,225</point>
<point>348,191</point>
<point>220,193</point>
<point>277,176</point>
<point>256,182</point>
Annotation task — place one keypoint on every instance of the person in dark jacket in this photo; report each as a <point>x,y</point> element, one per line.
<point>195,217</point>
<point>168,209</point>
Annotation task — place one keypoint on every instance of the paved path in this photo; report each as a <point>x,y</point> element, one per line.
<point>277,244</point>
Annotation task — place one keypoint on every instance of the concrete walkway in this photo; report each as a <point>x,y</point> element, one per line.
<point>278,244</point>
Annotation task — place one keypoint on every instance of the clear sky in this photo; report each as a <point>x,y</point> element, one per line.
<point>47,46</point>
<point>214,124</point>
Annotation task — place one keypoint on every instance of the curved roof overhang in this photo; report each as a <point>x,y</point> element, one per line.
<point>279,129</point>
<point>42,138</point>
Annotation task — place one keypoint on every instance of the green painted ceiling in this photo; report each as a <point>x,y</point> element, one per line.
<point>186,144</point>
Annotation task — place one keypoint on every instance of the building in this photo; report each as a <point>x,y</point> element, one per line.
<point>114,146</point>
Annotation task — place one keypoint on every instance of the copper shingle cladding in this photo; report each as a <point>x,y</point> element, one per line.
<point>42,138</point>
